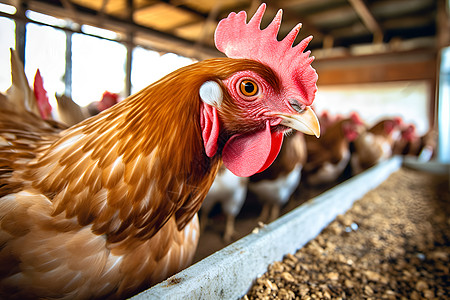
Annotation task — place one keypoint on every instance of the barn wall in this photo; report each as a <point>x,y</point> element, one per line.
<point>381,81</point>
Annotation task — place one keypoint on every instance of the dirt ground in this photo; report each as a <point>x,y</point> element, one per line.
<point>392,244</point>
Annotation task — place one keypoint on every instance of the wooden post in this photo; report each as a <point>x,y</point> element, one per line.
<point>21,30</point>
<point>68,73</point>
<point>130,46</point>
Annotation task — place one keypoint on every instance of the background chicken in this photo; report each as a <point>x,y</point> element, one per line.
<point>108,207</point>
<point>375,144</point>
<point>20,96</point>
<point>326,120</point>
<point>71,113</point>
<point>274,186</point>
<point>230,191</point>
<point>411,144</point>
<point>329,156</point>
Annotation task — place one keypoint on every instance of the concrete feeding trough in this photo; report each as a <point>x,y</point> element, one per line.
<point>230,272</point>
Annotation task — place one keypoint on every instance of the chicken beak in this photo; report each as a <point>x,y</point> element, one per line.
<point>306,121</point>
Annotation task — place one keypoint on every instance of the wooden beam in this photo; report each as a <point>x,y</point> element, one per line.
<point>153,39</point>
<point>210,21</point>
<point>443,24</point>
<point>102,10</point>
<point>328,42</point>
<point>71,11</point>
<point>290,4</point>
<point>376,73</point>
<point>368,19</point>
<point>131,9</point>
<point>402,66</point>
<point>312,29</point>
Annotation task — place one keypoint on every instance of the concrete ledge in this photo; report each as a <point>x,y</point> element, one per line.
<point>434,167</point>
<point>230,272</point>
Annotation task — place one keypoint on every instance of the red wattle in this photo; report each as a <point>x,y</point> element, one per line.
<point>277,141</point>
<point>247,154</point>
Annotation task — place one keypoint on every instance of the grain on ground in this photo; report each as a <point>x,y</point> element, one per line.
<point>392,244</point>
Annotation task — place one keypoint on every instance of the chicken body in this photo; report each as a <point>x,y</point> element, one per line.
<point>329,156</point>
<point>230,191</point>
<point>326,120</point>
<point>71,113</point>
<point>411,144</point>
<point>274,186</point>
<point>375,144</point>
<point>56,257</point>
<point>20,95</point>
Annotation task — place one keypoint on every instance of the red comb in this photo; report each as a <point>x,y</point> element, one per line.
<point>108,99</point>
<point>409,132</point>
<point>398,121</point>
<point>238,39</point>
<point>40,93</point>
<point>356,118</point>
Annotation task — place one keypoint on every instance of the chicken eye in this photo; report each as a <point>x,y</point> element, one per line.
<point>248,88</point>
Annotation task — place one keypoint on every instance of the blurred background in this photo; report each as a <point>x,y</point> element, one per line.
<point>379,58</point>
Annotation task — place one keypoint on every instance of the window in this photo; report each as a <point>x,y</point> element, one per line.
<point>98,65</point>
<point>45,49</point>
<point>7,41</point>
<point>374,101</point>
<point>98,62</point>
<point>149,66</point>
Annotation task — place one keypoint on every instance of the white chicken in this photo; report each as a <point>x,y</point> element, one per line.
<point>230,191</point>
<point>274,186</point>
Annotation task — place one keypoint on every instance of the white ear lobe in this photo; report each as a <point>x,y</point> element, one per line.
<point>211,93</point>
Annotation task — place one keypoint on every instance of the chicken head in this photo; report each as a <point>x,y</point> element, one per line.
<point>245,115</point>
